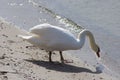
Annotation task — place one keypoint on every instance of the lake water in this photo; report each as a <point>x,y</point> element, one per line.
<point>101,17</point>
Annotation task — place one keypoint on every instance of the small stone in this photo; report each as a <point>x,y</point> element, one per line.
<point>34,77</point>
<point>10,49</point>
<point>3,72</point>
<point>22,52</point>
<point>27,46</point>
<point>4,35</point>
<point>48,71</point>
<point>12,53</point>
<point>2,57</point>
<point>11,41</point>
<point>15,64</point>
<point>5,77</point>
<point>8,64</point>
<point>101,78</point>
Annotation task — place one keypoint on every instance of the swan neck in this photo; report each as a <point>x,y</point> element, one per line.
<point>91,39</point>
<point>81,38</point>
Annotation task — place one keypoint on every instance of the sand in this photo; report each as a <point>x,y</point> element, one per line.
<point>19,62</point>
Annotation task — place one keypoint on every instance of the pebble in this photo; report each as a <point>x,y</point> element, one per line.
<point>5,77</point>
<point>101,78</point>
<point>2,57</point>
<point>100,68</point>
<point>8,64</point>
<point>3,72</point>
<point>4,35</point>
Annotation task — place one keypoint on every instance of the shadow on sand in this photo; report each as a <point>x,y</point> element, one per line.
<point>62,67</point>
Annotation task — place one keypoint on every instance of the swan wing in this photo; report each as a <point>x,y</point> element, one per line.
<point>53,37</point>
<point>41,29</point>
<point>49,30</point>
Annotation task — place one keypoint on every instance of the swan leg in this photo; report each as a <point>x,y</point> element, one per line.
<point>61,57</point>
<point>50,53</point>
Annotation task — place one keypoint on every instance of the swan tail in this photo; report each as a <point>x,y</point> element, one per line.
<point>24,37</point>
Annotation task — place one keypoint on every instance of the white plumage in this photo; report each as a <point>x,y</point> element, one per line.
<point>53,38</point>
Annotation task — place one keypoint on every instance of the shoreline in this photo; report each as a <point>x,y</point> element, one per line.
<point>20,63</point>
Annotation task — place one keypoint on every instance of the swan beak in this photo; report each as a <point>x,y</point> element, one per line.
<point>98,52</point>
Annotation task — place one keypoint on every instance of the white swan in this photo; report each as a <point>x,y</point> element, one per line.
<point>53,38</point>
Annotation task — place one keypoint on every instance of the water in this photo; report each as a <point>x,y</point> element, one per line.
<point>101,17</point>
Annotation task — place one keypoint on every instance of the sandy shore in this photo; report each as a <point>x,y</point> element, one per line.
<point>17,62</point>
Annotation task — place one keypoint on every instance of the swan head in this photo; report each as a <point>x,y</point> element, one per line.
<point>97,50</point>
